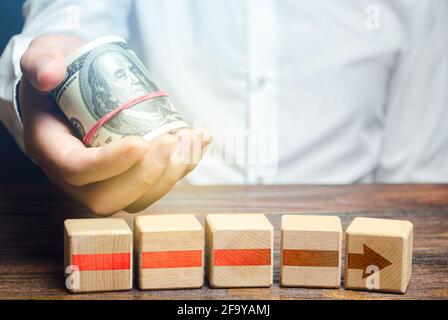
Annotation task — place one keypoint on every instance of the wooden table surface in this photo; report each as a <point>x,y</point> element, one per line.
<point>31,235</point>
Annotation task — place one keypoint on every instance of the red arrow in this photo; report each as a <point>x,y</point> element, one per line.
<point>365,259</point>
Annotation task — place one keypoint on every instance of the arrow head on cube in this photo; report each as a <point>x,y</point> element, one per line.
<point>367,258</point>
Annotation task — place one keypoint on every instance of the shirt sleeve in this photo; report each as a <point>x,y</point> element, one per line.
<point>84,18</point>
<point>415,142</point>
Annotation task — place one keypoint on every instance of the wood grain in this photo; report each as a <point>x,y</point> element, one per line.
<point>384,243</point>
<point>310,258</point>
<point>311,248</point>
<point>101,252</point>
<point>169,252</point>
<point>239,250</point>
<point>31,235</point>
<point>241,257</point>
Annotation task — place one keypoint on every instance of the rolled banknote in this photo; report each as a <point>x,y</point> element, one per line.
<point>109,94</point>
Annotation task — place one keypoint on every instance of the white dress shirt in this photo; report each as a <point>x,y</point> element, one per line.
<point>293,91</point>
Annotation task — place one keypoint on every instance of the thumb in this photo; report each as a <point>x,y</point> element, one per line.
<point>43,63</point>
<point>44,70</point>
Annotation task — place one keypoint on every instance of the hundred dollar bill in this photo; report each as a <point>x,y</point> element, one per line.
<point>103,75</point>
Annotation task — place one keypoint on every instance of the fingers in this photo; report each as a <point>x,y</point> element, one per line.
<point>111,195</point>
<point>201,141</point>
<point>174,171</point>
<point>50,142</point>
<point>43,63</point>
<point>81,166</point>
<point>45,70</point>
<point>183,159</point>
<point>165,162</point>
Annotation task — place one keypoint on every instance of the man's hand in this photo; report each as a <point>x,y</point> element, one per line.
<point>127,174</point>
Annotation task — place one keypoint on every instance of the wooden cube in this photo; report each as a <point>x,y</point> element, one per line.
<point>239,250</point>
<point>378,255</point>
<point>170,251</point>
<point>310,251</point>
<point>98,255</point>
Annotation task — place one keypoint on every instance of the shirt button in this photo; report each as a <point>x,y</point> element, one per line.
<point>259,83</point>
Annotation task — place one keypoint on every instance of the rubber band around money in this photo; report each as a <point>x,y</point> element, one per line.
<point>89,135</point>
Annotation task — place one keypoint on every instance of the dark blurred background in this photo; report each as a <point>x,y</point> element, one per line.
<point>15,167</point>
<point>10,20</point>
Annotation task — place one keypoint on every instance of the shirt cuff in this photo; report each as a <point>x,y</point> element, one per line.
<point>16,101</point>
